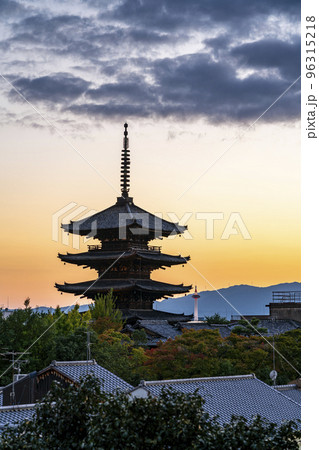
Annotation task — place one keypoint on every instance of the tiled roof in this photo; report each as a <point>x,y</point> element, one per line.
<point>109,219</point>
<point>75,370</point>
<point>118,284</point>
<point>12,415</point>
<point>100,256</point>
<point>160,328</point>
<point>242,395</point>
<point>291,391</point>
<point>278,326</point>
<point>132,315</point>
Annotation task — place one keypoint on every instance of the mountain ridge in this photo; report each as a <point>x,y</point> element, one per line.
<point>240,299</point>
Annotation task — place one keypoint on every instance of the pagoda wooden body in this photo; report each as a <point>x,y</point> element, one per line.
<point>124,259</point>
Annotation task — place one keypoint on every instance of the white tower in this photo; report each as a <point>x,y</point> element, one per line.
<point>196,297</point>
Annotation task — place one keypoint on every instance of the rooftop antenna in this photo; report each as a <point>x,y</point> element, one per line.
<point>125,165</point>
<point>196,297</point>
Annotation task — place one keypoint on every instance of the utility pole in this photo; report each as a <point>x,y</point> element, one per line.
<point>16,365</point>
<point>88,350</point>
<point>274,357</point>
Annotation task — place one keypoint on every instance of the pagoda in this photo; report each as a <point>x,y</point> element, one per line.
<point>123,259</point>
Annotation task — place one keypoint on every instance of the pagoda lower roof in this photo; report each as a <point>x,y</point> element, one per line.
<point>89,288</point>
<point>98,257</point>
<point>121,215</point>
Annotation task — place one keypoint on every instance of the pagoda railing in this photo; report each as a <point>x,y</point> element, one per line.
<point>94,247</point>
<point>150,248</point>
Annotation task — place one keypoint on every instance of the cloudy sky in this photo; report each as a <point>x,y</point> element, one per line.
<point>194,80</point>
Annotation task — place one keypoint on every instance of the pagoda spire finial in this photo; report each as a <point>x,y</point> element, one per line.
<point>125,165</point>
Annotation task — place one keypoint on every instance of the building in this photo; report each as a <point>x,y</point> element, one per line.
<point>285,305</point>
<point>123,259</point>
<point>285,309</point>
<point>34,386</point>
<point>241,395</point>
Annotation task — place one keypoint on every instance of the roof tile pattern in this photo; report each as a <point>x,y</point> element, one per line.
<point>76,370</point>
<point>291,391</point>
<point>243,395</point>
<point>12,415</point>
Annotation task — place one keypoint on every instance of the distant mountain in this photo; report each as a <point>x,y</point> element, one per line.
<point>65,309</point>
<point>246,299</point>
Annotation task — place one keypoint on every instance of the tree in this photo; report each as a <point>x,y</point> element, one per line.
<point>84,417</point>
<point>204,353</point>
<point>216,319</point>
<point>192,354</point>
<point>117,353</point>
<point>249,328</point>
<point>139,337</point>
<point>105,314</point>
<point>62,337</point>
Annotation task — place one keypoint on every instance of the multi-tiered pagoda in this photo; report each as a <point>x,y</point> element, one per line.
<point>123,259</point>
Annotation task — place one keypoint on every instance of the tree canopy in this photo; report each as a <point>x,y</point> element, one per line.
<point>199,353</point>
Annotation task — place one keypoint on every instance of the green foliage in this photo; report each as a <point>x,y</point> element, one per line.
<point>84,417</point>
<point>204,353</point>
<point>216,319</point>
<point>105,314</point>
<point>289,345</point>
<point>62,337</point>
<point>193,354</point>
<point>249,328</point>
<point>117,353</point>
<point>139,337</point>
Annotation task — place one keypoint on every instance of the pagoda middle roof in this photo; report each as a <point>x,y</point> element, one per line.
<point>99,256</point>
<point>101,285</point>
<point>123,214</point>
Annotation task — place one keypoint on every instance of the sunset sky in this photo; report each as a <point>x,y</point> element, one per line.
<point>191,79</point>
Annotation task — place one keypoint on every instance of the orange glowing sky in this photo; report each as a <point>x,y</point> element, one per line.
<point>258,177</point>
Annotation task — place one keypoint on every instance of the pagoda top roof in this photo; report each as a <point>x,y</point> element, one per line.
<point>121,215</point>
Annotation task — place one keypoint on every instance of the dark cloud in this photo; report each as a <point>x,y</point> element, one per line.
<point>58,88</point>
<point>132,92</point>
<point>151,37</point>
<point>271,53</point>
<point>120,45</point>
<point>10,7</point>
<point>170,15</point>
<point>193,86</point>
<point>199,86</point>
